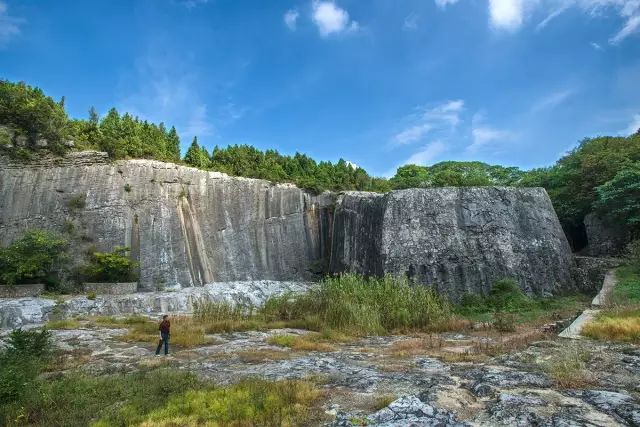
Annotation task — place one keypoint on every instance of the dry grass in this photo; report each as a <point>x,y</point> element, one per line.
<point>307,342</point>
<point>615,325</point>
<point>63,324</point>
<point>568,367</point>
<point>382,401</point>
<point>409,347</point>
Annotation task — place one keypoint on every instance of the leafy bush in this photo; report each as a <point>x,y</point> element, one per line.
<point>21,363</point>
<point>115,266</point>
<point>34,256</point>
<point>505,295</point>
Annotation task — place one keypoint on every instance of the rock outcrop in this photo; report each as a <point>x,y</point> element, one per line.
<point>461,240</point>
<point>188,227</point>
<point>604,238</point>
<point>185,226</point>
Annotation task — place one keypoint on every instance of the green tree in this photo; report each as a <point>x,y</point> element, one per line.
<point>197,156</point>
<point>115,266</point>
<point>620,197</point>
<point>32,257</point>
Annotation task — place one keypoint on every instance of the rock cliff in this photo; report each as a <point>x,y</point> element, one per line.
<point>189,227</point>
<point>461,240</point>
<point>184,226</point>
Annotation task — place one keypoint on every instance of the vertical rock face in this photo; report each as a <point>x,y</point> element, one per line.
<point>188,227</point>
<point>457,239</point>
<point>184,226</point>
<point>604,237</point>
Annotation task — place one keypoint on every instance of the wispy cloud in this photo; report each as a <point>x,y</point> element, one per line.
<point>552,100</point>
<point>553,14</point>
<point>410,22</point>
<point>426,154</point>
<point>190,4</point>
<point>427,120</point>
<point>596,46</point>
<point>9,25</point>
<point>634,126</point>
<point>166,89</point>
<point>443,3</point>
<point>331,19</point>
<point>630,27</point>
<point>291,19</point>
<point>484,135</point>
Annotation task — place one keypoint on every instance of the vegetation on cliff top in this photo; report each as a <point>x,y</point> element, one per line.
<point>600,174</point>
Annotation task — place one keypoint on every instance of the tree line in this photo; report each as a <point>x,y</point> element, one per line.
<point>601,174</point>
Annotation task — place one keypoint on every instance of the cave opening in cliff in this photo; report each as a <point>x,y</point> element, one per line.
<point>577,236</point>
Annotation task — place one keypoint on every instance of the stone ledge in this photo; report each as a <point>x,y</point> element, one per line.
<point>111,288</point>
<point>21,291</point>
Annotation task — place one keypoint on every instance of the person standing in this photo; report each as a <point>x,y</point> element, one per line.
<point>165,333</point>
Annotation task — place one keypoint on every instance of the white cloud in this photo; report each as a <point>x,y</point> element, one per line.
<point>443,3</point>
<point>190,4</point>
<point>410,22</point>
<point>555,13</point>
<point>552,100</point>
<point>430,119</point>
<point>596,46</point>
<point>352,164</point>
<point>634,126</point>
<point>331,19</point>
<point>167,90</point>
<point>506,14</point>
<point>291,19</point>
<point>483,134</point>
<point>513,13</point>
<point>426,155</point>
<point>630,27</point>
<point>9,25</point>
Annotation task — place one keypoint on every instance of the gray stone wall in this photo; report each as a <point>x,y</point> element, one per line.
<point>111,288</point>
<point>460,240</point>
<point>20,291</point>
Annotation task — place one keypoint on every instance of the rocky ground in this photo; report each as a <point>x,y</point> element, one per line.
<point>418,380</point>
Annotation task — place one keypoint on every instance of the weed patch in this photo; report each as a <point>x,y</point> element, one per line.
<point>615,325</point>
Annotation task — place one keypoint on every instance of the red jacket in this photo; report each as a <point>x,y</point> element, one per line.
<point>165,326</point>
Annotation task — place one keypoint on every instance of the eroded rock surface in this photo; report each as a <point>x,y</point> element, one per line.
<point>461,240</point>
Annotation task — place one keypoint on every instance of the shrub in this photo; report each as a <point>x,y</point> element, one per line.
<point>115,266</point>
<point>92,295</point>
<point>633,255</point>
<point>127,188</point>
<point>21,362</point>
<point>505,295</point>
<point>77,201</point>
<point>504,322</point>
<point>34,256</point>
<point>362,306</point>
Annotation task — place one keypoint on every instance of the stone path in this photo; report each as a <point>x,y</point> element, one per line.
<point>600,300</point>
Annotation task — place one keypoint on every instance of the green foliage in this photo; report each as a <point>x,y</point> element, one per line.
<point>632,254</point>
<point>506,295</point>
<point>77,399</point>
<point>197,156</point>
<point>251,402</point>
<point>360,306</point>
<point>115,266</point>
<point>620,196</point>
<point>77,201</point>
<point>455,174</point>
<point>21,363</point>
<point>127,188</point>
<point>627,290</point>
<point>572,181</point>
<point>247,161</point>
<point>28,111</point>
<point>34,256</point>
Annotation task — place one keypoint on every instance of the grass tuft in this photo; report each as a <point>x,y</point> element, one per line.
<point>63,324</point>
<point>615,325</point>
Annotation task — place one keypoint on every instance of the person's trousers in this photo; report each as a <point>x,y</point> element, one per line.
<point>165,340</point>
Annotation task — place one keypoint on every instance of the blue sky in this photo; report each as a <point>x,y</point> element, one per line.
<point>378,82</point>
